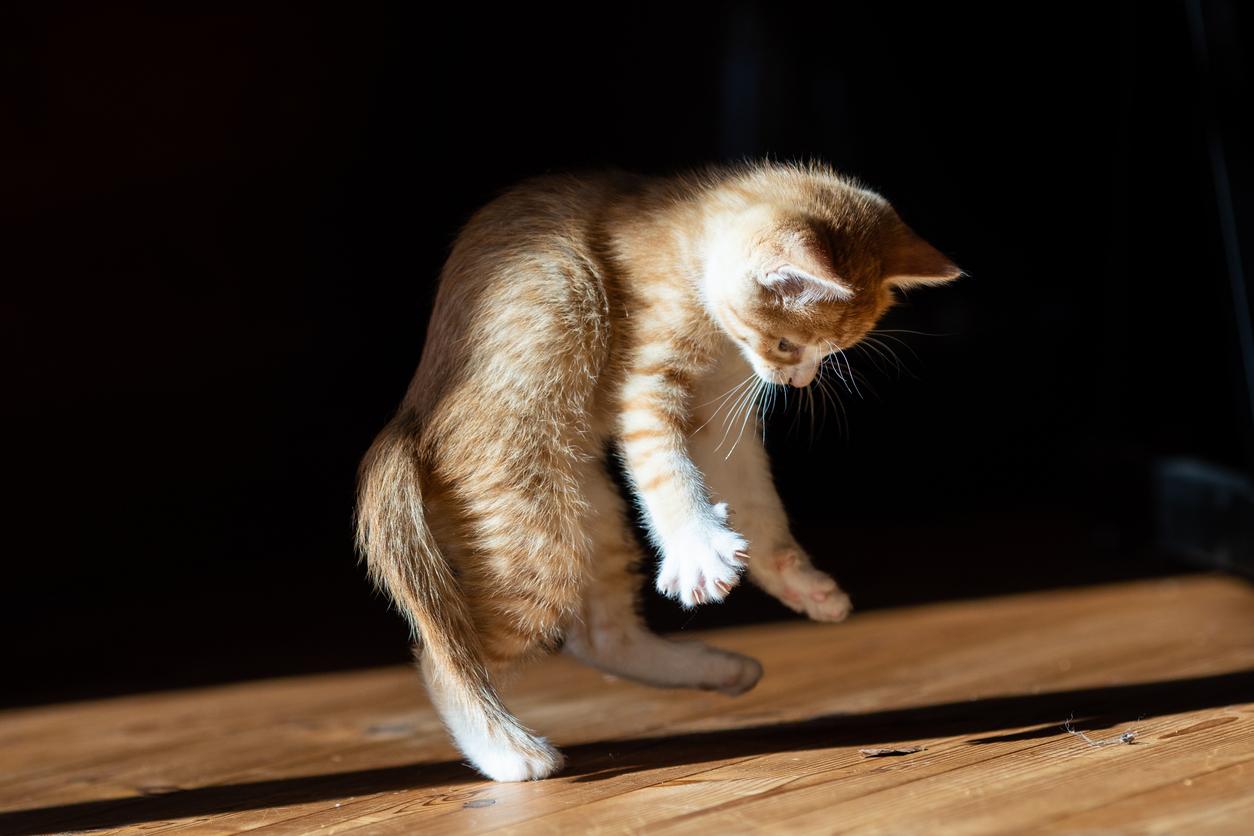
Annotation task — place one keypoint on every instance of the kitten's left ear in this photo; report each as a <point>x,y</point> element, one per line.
<point>803,272</point>
<point>909,261</point>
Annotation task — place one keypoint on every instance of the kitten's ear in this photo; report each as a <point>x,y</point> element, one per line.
<point>909,261</point>
<point>803,274</point>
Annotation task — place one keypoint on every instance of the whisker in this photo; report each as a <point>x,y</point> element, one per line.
<point>748,413</point>
<point>835,358</point>
<point>743,407</point>
<point>726,406</point>
<point>888,336</point>
<point>822,399</point>
<point>730,421</point>
<point>866,384</point>
<point>876,353</point>
<point>727,396</point>
<point>764,409</point>
<point>873,341</point>
<point>850,368</point>
<point>770,399</point>
<point>796,413</point>
<point>834,364</point>
<point>810,404</point>
<point>822,389</point>
<point>907,331</point>
<point>830,393</point>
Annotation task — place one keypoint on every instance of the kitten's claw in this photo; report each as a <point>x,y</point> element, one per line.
<point>703,563</point>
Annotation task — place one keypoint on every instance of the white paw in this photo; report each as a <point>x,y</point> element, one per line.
<point>704,562</point>
<point>807,590</point>
<point>532,760</point>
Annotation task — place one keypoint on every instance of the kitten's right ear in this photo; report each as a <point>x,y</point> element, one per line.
<point>909,261</point>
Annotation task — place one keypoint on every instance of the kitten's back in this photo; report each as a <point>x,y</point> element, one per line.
<point>521,325</point>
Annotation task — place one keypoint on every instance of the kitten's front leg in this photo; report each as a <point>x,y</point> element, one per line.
<point>780,566</point>
<point>702,558</point>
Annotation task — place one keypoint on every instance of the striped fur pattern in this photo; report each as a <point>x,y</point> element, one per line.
<point>584,316</point>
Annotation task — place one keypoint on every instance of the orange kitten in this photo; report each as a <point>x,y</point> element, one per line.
<point>581,315</point>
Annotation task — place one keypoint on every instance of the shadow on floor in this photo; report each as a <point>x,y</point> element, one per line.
<point>1092,708</point>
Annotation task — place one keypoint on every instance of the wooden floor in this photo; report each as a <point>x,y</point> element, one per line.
<point>983,685</point>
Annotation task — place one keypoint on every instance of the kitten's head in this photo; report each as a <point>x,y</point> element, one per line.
<point>802,263</point>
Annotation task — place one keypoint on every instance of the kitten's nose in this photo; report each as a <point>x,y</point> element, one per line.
<point>801,378</point>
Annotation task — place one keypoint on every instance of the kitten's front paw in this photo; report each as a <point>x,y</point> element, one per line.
<point>704,562</point>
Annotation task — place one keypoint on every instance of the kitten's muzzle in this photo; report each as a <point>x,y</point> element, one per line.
<point>801,376</point>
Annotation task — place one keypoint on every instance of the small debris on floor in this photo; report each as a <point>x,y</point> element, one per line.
<point>479,802</point>
<point>1128,736</point>
<point>890,751</point>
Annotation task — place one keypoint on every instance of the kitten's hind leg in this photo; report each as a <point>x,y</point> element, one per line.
<point>632,652</point>
<point>517,597</point>
<point>611,635</point>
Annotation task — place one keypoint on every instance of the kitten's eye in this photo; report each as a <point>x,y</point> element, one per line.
<point>786,346</point>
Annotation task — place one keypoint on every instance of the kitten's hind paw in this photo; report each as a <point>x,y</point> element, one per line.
<point>744,675</point>
<point>520,757</point>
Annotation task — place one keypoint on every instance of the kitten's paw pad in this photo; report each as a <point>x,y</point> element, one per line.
<point>807,590</point>
<point>525,760</point>
<point>703,564</point>
<point>831,607</point>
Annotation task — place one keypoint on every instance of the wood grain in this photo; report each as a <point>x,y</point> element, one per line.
<point>983,685</point>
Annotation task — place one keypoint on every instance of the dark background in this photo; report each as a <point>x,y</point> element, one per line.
<point>219,234</point>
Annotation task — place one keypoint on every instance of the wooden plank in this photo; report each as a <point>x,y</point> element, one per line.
<point>1209,802</point>
<point>982,684</point>
<point>1010,790</point>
